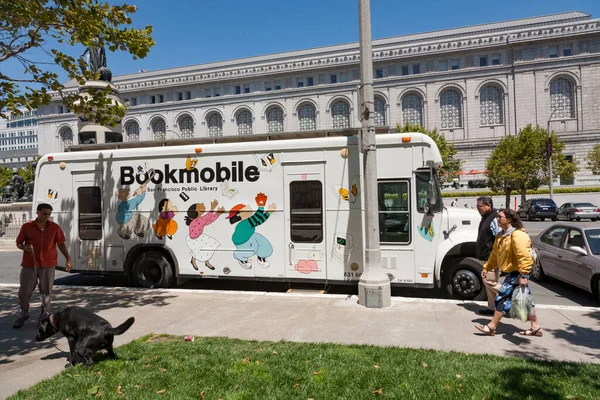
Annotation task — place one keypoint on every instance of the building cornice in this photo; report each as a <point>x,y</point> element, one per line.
<point>348,55</point>
<point>487,36</point>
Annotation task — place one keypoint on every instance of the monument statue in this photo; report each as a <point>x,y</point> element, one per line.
<point>96,61</point>
<point>17,189</point>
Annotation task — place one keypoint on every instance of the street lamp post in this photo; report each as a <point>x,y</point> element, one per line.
<point>374,289</point>
<point>549,153</point>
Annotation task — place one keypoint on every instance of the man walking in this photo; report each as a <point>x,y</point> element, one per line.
<point>38,239</point>
<point>488,229</point>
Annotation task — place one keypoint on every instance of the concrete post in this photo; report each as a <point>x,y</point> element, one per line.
<point>374,285</point>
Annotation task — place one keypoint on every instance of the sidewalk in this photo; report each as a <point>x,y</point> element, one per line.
<point>570,333</point>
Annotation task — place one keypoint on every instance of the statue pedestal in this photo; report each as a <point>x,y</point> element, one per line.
<point>89,131</point>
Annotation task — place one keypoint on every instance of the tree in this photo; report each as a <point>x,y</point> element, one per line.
<point>30,29</point>
<point>521,162</point>
<point>593,159</point>
<point>450,166</point>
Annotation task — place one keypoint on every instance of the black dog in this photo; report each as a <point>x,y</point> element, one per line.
<point>86,332</point>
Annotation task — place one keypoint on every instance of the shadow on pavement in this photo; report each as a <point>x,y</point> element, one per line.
<point>22,341</point>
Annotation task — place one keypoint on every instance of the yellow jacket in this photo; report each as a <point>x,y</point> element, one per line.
<point>511,252</point>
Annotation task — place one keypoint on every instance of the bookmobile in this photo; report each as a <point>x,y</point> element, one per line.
<point>263,207</point>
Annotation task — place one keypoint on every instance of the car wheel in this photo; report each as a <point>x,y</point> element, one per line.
<point>542,219</point>
<point>594,219</point>
<point>463,280</point>
<point>152,270</point>
<point>555,218</point>
<point>578,219</point>
<point>537,272</point>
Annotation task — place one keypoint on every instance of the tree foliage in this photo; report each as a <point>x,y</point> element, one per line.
<point>521,162</point>
<point>593,159</point>
<point>451,166</point>
<point>33,33</point>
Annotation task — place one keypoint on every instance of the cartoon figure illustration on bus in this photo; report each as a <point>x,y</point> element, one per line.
<point>165,225</point>
<point>131,222</point>
<point>202,246</point>
<point>245,238</point>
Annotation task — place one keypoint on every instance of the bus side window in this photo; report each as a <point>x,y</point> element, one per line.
<point>89,203</point>
<point>394,212</point>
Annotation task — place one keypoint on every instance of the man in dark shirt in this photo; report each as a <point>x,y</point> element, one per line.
<point>488,229</point>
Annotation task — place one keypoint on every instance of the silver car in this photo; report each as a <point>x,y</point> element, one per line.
<point>570,253</point>
<point>578,211</point>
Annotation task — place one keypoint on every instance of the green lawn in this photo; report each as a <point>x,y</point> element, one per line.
<point>160,367</point>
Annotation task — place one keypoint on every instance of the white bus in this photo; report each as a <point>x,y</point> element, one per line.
<point>259,208</point>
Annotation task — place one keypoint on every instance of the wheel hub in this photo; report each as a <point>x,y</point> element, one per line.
<point>465,282</point>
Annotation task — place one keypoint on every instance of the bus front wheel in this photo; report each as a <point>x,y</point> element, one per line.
<point>151,269</point>
<point>463,280</point>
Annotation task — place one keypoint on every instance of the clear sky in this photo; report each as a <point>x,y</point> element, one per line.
<point>191,32</point>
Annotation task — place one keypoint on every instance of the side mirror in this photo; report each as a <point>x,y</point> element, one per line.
<point>430,193</point>
<point>579,250</point>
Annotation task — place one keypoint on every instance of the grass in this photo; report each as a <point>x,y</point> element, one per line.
<point>167,367</point>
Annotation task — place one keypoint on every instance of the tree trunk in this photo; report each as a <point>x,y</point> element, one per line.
<point>523,195</point>
<point>507,202</point>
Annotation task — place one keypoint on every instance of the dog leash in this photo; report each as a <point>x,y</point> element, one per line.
<point>37,276</point>
<point>39,281</point>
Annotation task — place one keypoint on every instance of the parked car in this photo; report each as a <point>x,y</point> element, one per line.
<point>570,253</point>
<point>538,208</point>
<point>578,211</point>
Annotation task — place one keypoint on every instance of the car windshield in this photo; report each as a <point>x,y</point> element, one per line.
<point>545,203</point>
<point>593,238</point>
<point>583,205</point>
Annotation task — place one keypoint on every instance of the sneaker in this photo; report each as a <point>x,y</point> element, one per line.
<point>20,321</point>
<point>245,264</point>
<point>263,262</point>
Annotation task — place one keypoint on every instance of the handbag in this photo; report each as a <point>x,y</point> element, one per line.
<point>521,306</point>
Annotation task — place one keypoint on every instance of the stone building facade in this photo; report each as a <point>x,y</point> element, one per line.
<point>475,84</point>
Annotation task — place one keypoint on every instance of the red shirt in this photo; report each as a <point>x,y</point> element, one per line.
<point>44,244</point>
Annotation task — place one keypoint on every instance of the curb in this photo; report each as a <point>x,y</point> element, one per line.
<point>302,295</point>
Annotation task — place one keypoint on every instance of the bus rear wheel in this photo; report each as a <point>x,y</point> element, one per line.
<point>151,269</point>
<point>463,280</point>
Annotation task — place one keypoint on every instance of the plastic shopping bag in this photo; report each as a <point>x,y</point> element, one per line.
<point>521,304</point>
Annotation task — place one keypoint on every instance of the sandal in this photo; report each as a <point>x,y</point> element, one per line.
<point>532,332</point>
<point>486,329</point>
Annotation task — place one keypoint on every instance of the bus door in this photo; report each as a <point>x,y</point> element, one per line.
<point>304,188</point>
<point>89,249</point>
<point>395,233</point>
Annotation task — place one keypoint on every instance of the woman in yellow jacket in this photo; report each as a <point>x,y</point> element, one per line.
<point>511,253</point>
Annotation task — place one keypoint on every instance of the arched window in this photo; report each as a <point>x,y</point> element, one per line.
<point>340,113</point>
<point>275,119</point>
<point>450,109</point>
<point>244,122</point>
<point>159,129</point>
<point>490,105</point>
<point>308,117</point>
<point>215,124</point>
<point>561,99</point>
<point>133,131</point>
<point>379,116</point>
<point>66,136</point>
<point>186,126</point>
<point>412,109</point>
